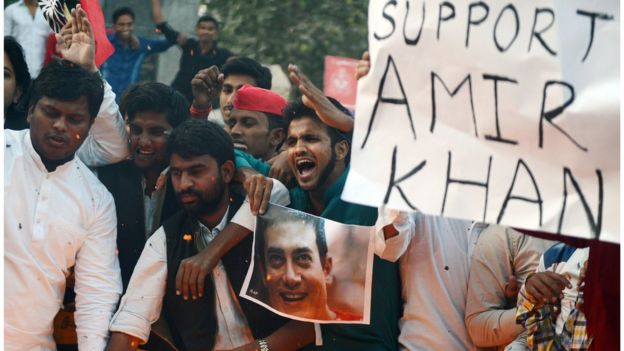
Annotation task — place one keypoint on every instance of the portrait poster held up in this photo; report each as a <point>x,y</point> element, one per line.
<point>311,269</point>
<point>500,112</point>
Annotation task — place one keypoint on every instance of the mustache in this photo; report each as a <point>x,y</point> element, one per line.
<point>188,192</point>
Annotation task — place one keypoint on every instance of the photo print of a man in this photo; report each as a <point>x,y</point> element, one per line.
<point>293,269</point>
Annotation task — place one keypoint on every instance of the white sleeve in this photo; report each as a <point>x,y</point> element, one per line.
<point>8,21</point>
<point>392,249</point>
<point>279,195</point>
<point>107,142</point>
<point>98,278</point>
<point>141,305</point>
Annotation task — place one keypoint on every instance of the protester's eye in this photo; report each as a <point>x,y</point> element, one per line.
<point>276,261</point>
<point>227,90</point>
<point>75,120</point>
<point>248,123</point>
<point>134,130</point>
<point>157,132</point>
<point>175,173</point>
<point>290,142</point>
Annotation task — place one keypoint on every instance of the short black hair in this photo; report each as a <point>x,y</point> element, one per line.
<point>66,81</point>
<point>122,11</point>
<point>157,98</point>
<point>198,137</point>
<point>270,219</point>
<point>297,110</point>
<point>16,54</point>
<point>248,67</point>
<point>208,18</point>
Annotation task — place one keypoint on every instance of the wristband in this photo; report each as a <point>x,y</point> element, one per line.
<point>195,112</point>
<point>262,344</point>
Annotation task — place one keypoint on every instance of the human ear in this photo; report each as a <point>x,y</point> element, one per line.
<point>341,149</point>
<point>227,171</point>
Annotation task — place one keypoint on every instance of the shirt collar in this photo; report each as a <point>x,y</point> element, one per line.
<point>221,224</point>
<point>37,158</point>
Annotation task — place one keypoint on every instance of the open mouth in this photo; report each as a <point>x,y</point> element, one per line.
<point>305,167</point>
<point>239,144</point>
<point>145,153</point>
<point>293,297</point>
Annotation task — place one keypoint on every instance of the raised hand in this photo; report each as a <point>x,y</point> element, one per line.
<point>280,169</point>
<point>314,98</point>
<point>76,42</point>
<point>206,86</point>
<point>363,66</point>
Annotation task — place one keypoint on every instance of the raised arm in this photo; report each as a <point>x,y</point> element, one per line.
<point>107,139</point>
<point>314,98</point>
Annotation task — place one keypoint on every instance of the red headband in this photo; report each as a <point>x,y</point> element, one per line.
<point>257,99</point>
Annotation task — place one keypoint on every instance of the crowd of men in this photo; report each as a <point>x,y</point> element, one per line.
<point>129,218</point>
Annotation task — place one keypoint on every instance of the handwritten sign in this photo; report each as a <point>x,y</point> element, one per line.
<point>501,112</point>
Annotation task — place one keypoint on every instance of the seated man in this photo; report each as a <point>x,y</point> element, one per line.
<point>65,217</point>
<point>202,167</point>
<point>152,111</point>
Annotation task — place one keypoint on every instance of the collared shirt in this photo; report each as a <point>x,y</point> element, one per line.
<point>500,253</point>
<point>434,277</point>
<point>31,32</point>
<point>53,221</point>
<point>123,67</point>
<point>152,207</point>
<point>141,305</point>
<point>569,330</point>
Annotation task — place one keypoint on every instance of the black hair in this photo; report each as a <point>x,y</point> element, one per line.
<point>66,81</point>
<point>157,98</point>
<point>248,67</point>
<point>271,219</point>
<point>16,54</point>
<point>198,137</point>
<point>122,11</point>
<point>208,18</point>
<point>297,110</point>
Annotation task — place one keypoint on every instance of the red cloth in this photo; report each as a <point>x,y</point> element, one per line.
<point>601,295</point>
<point>103,47</point>
<point>50,49</point>
<point>260,100</point>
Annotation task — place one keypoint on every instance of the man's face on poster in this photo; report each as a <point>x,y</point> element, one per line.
<point>295,276</point>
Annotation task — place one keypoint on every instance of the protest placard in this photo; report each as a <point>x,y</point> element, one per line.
<point>501,112</point>
<point>311,269</point>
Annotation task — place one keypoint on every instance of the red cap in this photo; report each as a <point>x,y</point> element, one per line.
<point>251,98</point>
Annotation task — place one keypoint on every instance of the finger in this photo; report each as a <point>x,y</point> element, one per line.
<point>560,279</point>
<point>258,196</point>
<point>74,27</point>
<point>266,197</point>
<point>251,189</point>
<point>192,282</point>
<point>366,56</point>
<point>78,18</point>
<point>178,279</point>
<point>185,281</point>
<point>200,282</point>
<point>87,26</point>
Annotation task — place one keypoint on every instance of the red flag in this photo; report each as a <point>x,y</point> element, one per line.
<point>339,80</point>
<point>103,47</point>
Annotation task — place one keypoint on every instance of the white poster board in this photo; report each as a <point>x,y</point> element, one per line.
<point>501,112</point>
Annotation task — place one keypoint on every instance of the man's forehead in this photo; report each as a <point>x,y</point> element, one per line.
<point>306,126</point>
<point>238,113</point>
<point>237,80</point>
<point>179,162</point>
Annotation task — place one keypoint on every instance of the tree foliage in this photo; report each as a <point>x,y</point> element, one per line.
<point>297,31</point>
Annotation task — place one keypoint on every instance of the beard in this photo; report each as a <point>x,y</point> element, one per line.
<point>326,171</point>
<point>206,202</point>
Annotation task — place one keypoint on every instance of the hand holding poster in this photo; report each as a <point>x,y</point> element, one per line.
<point>497,112</point>
<point>311,269</point>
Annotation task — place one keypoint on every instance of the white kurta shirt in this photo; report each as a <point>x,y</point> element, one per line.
<point>31,32</point>
<point>53,221</point>
<point>434,277</point>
